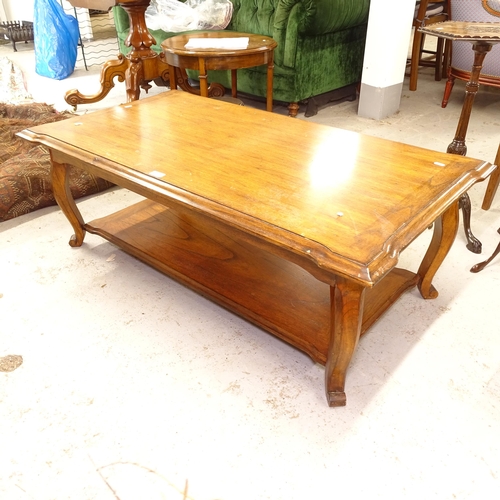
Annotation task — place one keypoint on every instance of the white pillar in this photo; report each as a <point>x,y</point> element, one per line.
<point>3,15</point>
<point>388,37</point>
<point>19,10</point>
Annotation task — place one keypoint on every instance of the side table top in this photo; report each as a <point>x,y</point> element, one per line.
<point>256,43</point>
<point>465,30</point>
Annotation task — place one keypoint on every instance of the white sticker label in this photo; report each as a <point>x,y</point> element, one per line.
<point>157,174</point>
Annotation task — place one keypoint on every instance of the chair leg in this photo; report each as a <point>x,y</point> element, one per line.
<point>438,70</point>
<point>447,90</point>
<point>446,56</point>
<point>492,188</point>
<point>418,40</point>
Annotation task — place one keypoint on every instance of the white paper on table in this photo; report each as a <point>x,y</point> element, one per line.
<point>218,43</point>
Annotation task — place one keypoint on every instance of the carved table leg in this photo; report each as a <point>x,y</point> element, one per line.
<point>66,202</point>
<point>445,231</point>
<point>457,146</point>
<point>115,68</point>
<point>473,244</point>
<point>346,303</point>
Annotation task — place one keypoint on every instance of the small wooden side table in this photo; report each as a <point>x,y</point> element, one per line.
<point>259,51</point>
<point>482,36</point>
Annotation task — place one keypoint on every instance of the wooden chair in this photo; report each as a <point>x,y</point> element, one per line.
<point>427,12</point>
<point>462,56</point>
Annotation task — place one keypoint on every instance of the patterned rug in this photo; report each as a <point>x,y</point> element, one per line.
<point>25,182</point>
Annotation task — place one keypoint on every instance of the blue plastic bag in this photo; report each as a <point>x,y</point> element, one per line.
<point>56,40</point>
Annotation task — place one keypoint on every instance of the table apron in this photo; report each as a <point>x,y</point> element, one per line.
<point>219,63</point>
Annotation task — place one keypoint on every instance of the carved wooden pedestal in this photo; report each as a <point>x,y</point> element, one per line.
<point>139,67</point>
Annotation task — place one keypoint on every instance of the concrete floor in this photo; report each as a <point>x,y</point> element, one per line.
<point>134,387</point>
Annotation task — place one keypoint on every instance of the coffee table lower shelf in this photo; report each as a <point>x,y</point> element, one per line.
<point>215,261</point>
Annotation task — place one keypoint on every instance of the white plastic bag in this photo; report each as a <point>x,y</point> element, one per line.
<point>175,16</point>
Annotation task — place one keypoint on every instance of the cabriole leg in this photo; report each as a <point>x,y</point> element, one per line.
<point>445,231</point>
<point>346,312</point>
<point>66,202</point>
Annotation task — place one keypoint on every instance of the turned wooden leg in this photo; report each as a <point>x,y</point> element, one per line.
<point>234,83</point>
<point>202,76</point>
<point>269,89</point>
<point>458,145</point>
<point>346,305</point>
<point>66,202</point>
<point>447,90</point>
<point>445,231</point>
<point>293,109</point>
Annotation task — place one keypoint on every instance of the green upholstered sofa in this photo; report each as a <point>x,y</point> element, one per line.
<point>320,46</point>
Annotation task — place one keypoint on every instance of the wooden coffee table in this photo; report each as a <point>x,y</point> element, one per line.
<point>259,51</point>
<point>295,226</point>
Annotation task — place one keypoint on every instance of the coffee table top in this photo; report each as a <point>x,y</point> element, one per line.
<point>345,202</point>
<point>256,43</point>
